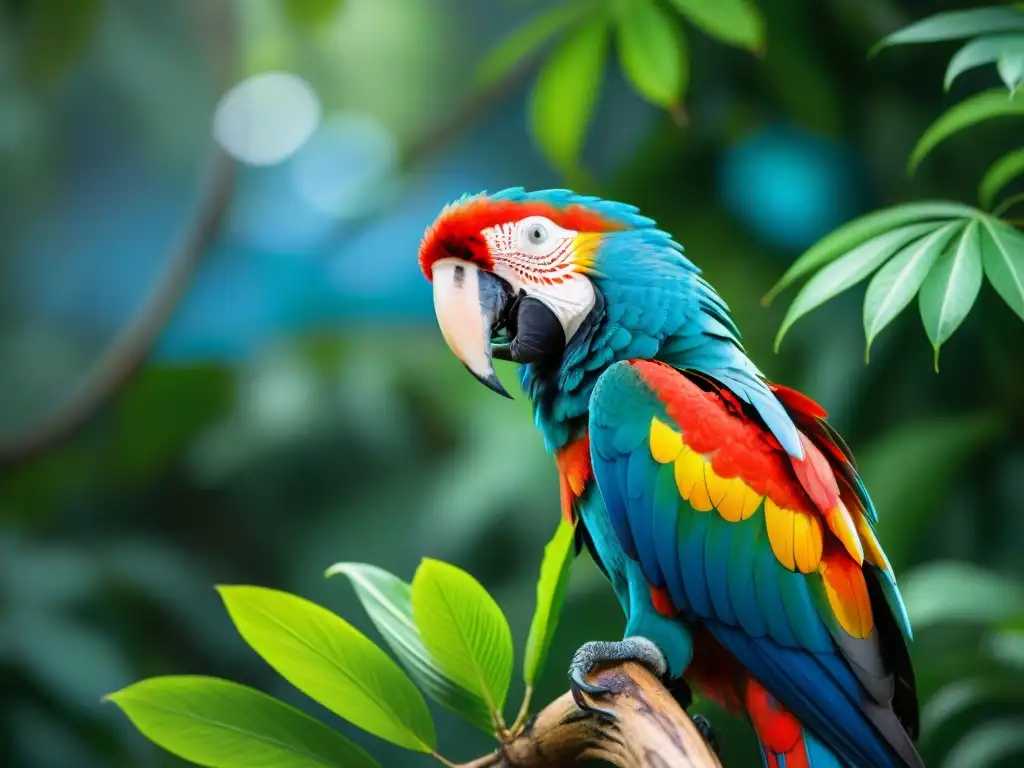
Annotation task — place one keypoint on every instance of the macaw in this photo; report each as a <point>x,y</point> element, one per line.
<point>727,513</point>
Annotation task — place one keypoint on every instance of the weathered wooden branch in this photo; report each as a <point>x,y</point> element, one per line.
<point>650,730</point>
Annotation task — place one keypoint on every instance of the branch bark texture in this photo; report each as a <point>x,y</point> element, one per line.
<point>650,730</point>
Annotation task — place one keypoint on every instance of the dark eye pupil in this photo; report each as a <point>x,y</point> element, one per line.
<point>536,233</point>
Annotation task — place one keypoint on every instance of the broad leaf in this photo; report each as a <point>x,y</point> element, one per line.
<point>956,592</point>
<point>1011,69</point>
<point>855,232</point>
<point>847,271</point>
<point>464,630</point>
<point>330,661</point>
<point>1002,254</point>
<point>983,50</point>
<point>956,25</point>
<point>388,601</point>
<point>221,724</point>
<point>737,22</point>
<point>996,742</point>
<point>976,109</point>
<point>897,282</point>
<point>952,701</point>
<point>653,52</point>
<point>950,289</point>
<point>909,472</point>
<point>565,93</point>
<point>1003,171</point>
<point>551,586</point>
<point>528,39</point>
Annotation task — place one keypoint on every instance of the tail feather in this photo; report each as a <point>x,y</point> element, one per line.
<point>806,752</point>
<point>785,741</point>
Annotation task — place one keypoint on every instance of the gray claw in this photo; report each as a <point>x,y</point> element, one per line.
<point>592,654</point>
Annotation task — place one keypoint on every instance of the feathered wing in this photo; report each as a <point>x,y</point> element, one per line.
<point>774,558</point>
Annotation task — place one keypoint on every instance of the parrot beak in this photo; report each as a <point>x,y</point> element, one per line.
<point>469,304</point>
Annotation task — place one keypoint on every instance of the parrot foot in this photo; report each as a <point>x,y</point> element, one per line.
<point>595,653</point>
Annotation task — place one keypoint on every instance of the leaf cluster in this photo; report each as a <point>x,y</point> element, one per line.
<point>937,250</point>
<point>974,617</point>
<point>451,640</point>
<point>653,52</point>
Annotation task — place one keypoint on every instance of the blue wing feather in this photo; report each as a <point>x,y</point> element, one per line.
<point>725,576</point>
<point>717,543</point>
<point>742,584</point>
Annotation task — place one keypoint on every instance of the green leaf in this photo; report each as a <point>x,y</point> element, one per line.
<point>222,724</point>
<point>990,743</point>
<point>311,13</point>
<point>737,22</point>
<point>330,661</point>
<point>1011,69</point>
<point>893,467</point>
<point>897,282</point>
<point>528,39</point>
<point>950,289</point>
<point>1007,647</point>
<point>388,601</point>
<point>847,271</point>
<point>983,50</point>
<point>855,232</point>
<point>1002,254</point>
<point>551,586</point>
<point>653,52</point>
<point>955,25</point>
<point>464,630</point>
<point>953,592</point>
<point>979,108</point>
<point>565,93</point>
<point>1003,171</point>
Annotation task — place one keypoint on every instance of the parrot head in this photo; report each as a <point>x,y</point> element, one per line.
<point>517,275</point>
<point>568,285</point>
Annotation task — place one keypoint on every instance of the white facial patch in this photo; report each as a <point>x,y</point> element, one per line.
<point>536,255</point>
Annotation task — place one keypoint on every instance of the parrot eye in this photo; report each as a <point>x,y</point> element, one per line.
<point>536,234</point>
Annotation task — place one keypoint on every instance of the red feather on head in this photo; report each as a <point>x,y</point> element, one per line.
<point>457,231</point>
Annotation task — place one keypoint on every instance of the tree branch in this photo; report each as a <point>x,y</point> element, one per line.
<point>134,342</point>
<point>650,730</point>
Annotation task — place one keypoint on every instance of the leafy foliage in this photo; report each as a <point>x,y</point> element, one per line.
<point>332,662</point>
<point>974,714</point>
<point>976,109</point>
<point>652,51</point>
<point>551,588</point>
<point>464,630</point>
<point>945,258</point>
<point>216,722</point>
<point>446,629</point>
<point>388,601</point>
<point>992,49</point>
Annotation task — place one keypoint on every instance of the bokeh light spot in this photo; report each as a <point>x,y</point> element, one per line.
<point>266,118</point>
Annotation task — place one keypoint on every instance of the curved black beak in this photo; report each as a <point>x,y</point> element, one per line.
<point>535,331</point>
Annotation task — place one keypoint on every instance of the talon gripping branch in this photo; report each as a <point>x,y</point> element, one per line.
<point>728,515</point>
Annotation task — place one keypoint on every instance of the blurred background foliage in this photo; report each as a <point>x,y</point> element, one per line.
<point>300,407</point>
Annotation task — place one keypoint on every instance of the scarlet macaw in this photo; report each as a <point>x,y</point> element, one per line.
<point>728,515</point>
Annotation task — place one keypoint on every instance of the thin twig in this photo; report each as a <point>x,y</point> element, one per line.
<point>132,346</point>
<point>134,342</point>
